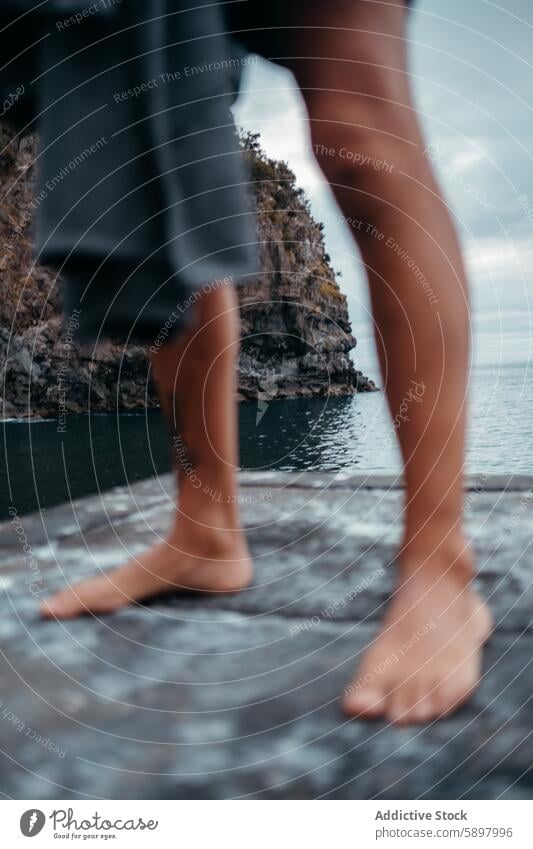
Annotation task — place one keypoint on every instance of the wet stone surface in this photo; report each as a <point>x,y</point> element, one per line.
<point>237,696</point>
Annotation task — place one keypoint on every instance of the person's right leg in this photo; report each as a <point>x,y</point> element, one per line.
<point>368,142</point>
<point>205,548</point>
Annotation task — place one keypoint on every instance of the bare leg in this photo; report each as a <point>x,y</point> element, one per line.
<point>205,549</point>
<point>359,101</point>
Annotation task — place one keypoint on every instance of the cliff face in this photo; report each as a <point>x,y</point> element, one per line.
<point>296,334</point>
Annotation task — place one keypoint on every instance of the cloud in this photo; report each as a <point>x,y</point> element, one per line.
<point>471,67</point>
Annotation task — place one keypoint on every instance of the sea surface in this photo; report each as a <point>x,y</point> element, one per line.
<point>42,467</point>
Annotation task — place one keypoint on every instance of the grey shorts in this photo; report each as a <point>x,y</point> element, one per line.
<point>142,196</point>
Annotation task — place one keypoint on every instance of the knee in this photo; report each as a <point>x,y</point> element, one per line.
<point>373,149</point>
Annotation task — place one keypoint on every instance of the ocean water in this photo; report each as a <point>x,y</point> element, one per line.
<point>356,433</point>
<point>42,467</point>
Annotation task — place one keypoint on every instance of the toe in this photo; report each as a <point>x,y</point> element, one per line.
<point>452,696</point>
<point>428,709</point>
<point>97,595</point>
<point>399,703</point>
<point>423,708</point>
<point>60,606</point>
<point>364,702</point>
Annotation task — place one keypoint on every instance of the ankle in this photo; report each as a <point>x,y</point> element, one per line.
<point>438,555</point>
<point>206,525</point>
<point>209,508</point>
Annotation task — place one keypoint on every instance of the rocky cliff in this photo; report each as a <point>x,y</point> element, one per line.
<point>296,334</point>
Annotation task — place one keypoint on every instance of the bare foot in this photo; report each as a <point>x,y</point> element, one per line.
<point>426,661</point>
<point>212,561</point>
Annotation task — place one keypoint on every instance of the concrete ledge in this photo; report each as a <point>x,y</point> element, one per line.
<point>230,697</point>
<point>348,480</point>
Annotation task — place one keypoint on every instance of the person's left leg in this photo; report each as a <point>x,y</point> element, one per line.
<point>350,61</point>
<point>205,548</point>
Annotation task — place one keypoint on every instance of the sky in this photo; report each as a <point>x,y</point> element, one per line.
<point>472,71</point>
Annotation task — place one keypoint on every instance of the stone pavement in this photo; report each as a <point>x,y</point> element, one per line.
<point>232,697</point>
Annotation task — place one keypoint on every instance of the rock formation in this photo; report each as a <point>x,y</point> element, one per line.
<point>296,334</point>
